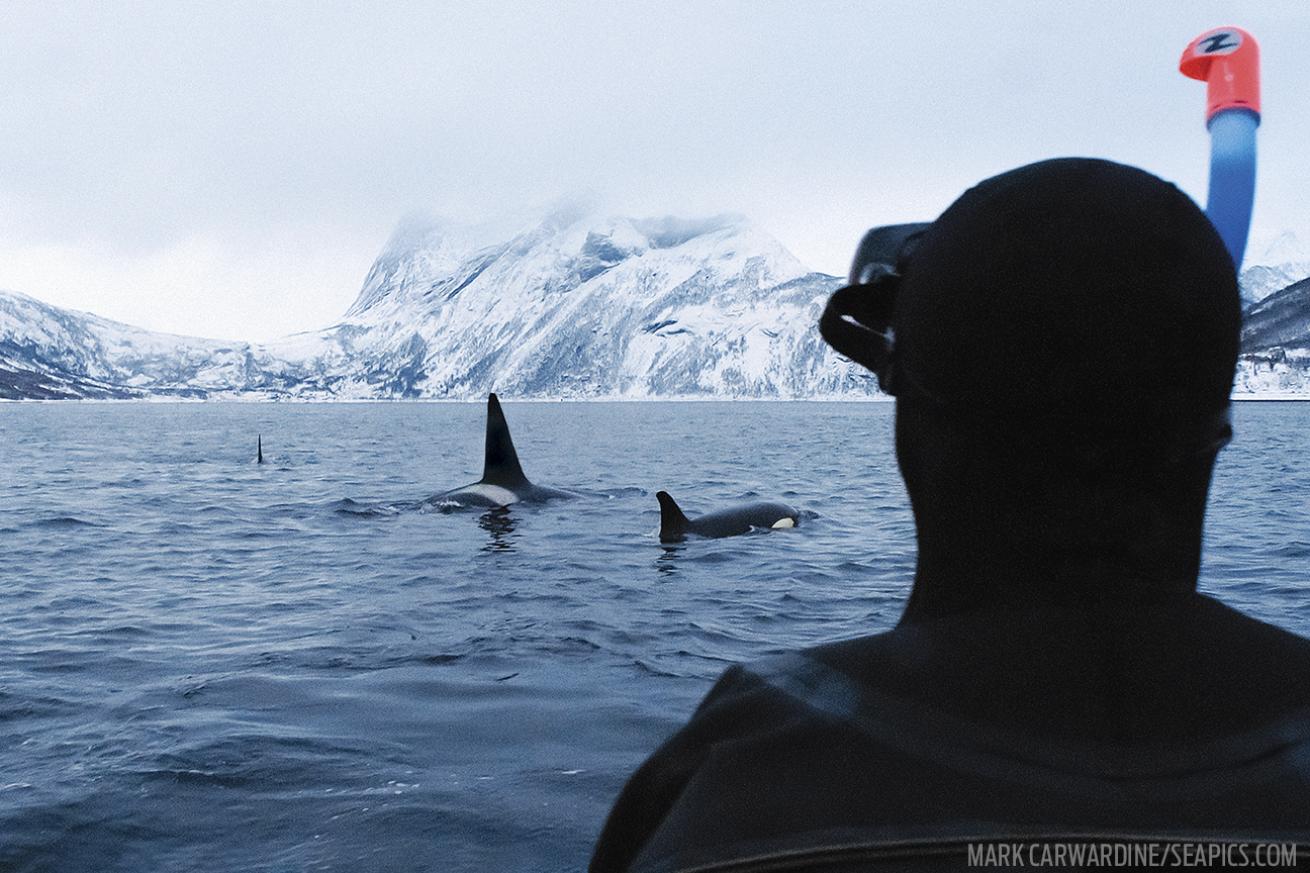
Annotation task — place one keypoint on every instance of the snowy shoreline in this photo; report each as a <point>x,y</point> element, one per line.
<point>1236,398</point>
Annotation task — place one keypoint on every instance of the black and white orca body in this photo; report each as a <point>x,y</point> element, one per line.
<point>502,482</point>
<point>740,519</point>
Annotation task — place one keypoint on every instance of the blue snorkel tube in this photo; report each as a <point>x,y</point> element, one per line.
<point>1227,59</point>
<point>1232,178</point>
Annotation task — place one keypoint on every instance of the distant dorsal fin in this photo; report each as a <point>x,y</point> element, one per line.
<point>673,524</point>
<point>259,449</point>
<point>501,463</point>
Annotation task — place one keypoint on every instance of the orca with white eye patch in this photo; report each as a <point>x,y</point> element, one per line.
<point>729,522</point>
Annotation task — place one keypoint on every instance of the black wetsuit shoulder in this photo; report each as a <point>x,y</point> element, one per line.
<point>1060,706</point>
<point>1178,669</point>
<point>739,706</point>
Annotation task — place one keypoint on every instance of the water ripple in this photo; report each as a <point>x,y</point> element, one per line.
<point>211,665</point>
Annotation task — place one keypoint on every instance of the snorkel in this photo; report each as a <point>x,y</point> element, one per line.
<point>1227,59</point>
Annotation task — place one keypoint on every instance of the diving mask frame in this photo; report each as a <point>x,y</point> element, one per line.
<point>857,321</point>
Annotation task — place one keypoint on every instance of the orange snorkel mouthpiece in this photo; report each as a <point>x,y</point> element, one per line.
<point>1227,59</point>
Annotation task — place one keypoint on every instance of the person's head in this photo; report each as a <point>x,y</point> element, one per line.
<point>1065,336</point>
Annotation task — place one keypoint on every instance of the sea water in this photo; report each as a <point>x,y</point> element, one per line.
<point>212,665</point>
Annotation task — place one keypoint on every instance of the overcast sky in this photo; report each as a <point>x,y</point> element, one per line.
<point>231,169</point>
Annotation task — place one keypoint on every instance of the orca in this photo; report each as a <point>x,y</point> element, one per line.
<point>503,481</point>
<point>259,449</point>
<point>740,519</point>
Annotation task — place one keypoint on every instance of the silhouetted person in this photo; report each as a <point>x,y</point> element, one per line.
<point>1063,344</point>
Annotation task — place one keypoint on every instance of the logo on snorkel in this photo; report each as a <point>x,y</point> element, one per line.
<point>1218,43</point>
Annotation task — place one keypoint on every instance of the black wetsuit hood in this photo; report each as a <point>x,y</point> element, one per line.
<point>1072,287</point>
<point>1065,336</point>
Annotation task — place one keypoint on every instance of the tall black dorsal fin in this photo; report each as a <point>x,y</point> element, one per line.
<point>673,524</point>
<point>259,449</point>
<point>500,465</point>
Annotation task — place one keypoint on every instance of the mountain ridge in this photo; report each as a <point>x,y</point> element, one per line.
<point>579,304</point>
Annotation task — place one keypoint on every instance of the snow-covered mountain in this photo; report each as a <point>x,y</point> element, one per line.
<point>578,305</point>
<point>48,352</point>
<point>1282,261</point>
<point>581,306</point>
<point>1276,344</point>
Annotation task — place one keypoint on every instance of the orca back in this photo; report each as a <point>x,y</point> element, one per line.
<point>500,464</point>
